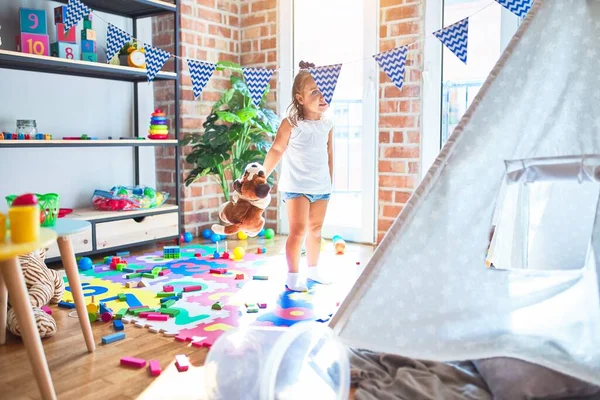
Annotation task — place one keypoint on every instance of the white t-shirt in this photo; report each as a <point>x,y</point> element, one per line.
<point>305,161</point>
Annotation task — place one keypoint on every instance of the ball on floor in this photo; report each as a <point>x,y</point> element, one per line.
<point>239,252</point>
<point>85,263</point>
<point>242,235</point>
<point>269,233</point>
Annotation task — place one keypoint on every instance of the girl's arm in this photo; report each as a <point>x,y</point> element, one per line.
<point>279,145</point>
<point>330,152</point>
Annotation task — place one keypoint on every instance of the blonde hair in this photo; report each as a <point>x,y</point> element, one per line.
<point>295,110</point>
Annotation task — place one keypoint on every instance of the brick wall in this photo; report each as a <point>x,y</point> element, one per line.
<point>401,22</point>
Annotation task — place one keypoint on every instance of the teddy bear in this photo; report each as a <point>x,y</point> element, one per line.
<point>250,198</point>
<point>45,286</point>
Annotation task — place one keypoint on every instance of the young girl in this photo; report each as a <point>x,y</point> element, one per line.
<point>304,142</point>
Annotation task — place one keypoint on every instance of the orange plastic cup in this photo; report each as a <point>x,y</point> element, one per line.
<point>24,223</point>
<point>2,228</point>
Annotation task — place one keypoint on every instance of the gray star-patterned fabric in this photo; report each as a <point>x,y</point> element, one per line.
<point>427,292</point>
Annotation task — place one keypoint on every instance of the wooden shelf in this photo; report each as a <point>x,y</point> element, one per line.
<point>86,143</point>
<point>54,65</point>
<point>91,214</point>
<point>129,8</point>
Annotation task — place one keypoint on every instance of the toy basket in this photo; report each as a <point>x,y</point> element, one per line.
<point>49,207</point>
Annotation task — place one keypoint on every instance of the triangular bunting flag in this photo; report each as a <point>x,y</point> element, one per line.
<point>455,37</point>
<point>115,40</point>
<point>326,78</point>
<point>257,80</point>
<point>393,63</point>
<point>200,72</point>
<point>518,7</point>
<point>75,11</point>
<point>155,59</point>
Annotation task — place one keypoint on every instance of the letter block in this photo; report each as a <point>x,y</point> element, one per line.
<point>69,51</point>
<point>33,21</point>
<point>65,36</point>
<point>32,43</point>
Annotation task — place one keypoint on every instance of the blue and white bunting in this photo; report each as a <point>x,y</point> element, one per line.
<point>518,7</point>
<point>155,59</point>
<point>115,40</point>
<point>200,72</point>
<point>326,79</point>
<point>393,62</point>
<point>76,10</point>
<point>257,80</point>
<point>455,37</point>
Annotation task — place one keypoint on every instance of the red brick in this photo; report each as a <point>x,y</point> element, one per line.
<point>400,13</point>
<point>396,121</point>
<point>401,197</point>
<point>250,20</point>
<point>413,167</point>
<point>413,137</point>
<point>386,166</point>
<point>405,28</point>
<point>391,211</point>
<point>209,15</point>
<point>384,137</point>
<point>266,44</point>
<point>386,195</point>
<point>401,152</point>
<point>384,224</point>
<point>398,137</point>
<point>219,31</point>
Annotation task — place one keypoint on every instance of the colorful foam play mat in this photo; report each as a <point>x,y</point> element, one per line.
<point>187,293</point>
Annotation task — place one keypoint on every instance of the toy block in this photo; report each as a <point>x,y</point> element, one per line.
<point>88,34</point>
<point>164,272</point>
<point>217,306</point>
<point>149,276</point>
<point>121,313</point>
<point>118,325</point>
<point>137,311</point>
<point>87,24</point>
<point>93,308</point>
<point>120,266</point>
<point>64,304</point>
<point>142,284</point>
<point>114,337</point>
<point>218,270</point>
<point>107,260</point>
<point>104,309</point>
<point>129,270</point>
<point>197,254</point>
<point>252,310</point>
<point>93,317</point>
<point>154,368</point>
<point>90,57</point>
<point>134,275</point>
<point>168,288</point>
<point>262,305</point>
<point>165,294</point>
<point>47,137</point>
<point>68,51</point>
<point>32,43</point>
<point>171,252</point>
<point>130,285</point>
<point>60,14</point>
<point>158,317</point>
<point>182,362</point>
<point>121,253</point>
<point>173,312</point>
<point>259,251</point>
<point>122,297</point>
<point>264,250</point>
<point>260,278</point>
<point>239,276</point>
<point>106,317</point>
<point>167,304</point>
<point>156,270</point>
<point>133,362</point>
<point>64,35</point>
<point>193,288</point>
<point>33,21</point>
<point>47,310</point>
<point>165,299</point>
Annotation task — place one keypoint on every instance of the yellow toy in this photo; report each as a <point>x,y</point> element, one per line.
<point>242,235</point>
<point>239,253</point>
<point>2,228</point>
<point>24,217</point>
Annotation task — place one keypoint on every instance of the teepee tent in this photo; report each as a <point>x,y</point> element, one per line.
<point>496,252</point>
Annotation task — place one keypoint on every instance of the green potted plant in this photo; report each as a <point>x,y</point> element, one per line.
<point>236,133</point>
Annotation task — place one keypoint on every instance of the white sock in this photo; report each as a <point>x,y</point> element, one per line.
<point>296,282</point>
<point>319,275</point>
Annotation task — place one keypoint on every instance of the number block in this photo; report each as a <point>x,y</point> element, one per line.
<point>69,51</point>
<point>91,57</point>
<point>60,15</point>
<point>65,36</point>
<point>88,34</point>
<point>33,21</point>
<point>33,44</point>
<point>88,46</point>
<point>87,24</point>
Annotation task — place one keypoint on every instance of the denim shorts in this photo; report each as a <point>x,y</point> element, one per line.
<point>311,197</point>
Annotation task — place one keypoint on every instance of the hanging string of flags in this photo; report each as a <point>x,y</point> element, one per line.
<point>393,62</point>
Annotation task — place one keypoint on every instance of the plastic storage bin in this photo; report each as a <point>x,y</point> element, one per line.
<point>304,361</point>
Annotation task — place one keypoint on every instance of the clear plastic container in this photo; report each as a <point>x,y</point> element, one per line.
<point>304,361</point>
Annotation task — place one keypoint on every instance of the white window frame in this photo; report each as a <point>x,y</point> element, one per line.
<point>432,76</point>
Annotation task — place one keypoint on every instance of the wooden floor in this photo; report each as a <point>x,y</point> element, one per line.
<point>80,375</point>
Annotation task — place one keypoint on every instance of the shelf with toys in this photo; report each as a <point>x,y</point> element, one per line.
<point>72,53</point>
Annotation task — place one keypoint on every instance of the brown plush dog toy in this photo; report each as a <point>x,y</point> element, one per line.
<point>248,201</point>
